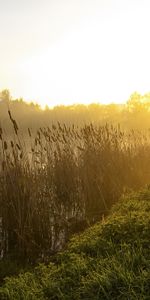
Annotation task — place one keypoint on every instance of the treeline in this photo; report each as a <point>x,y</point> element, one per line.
<point>135,114</point>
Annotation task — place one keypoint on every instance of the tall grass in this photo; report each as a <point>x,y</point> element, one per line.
<point>63,179</point>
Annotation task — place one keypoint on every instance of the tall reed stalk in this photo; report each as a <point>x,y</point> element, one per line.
<point>63,179</point>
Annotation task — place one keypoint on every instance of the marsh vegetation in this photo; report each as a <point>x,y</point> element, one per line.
<point>59,178</point>
<point>65,179</point>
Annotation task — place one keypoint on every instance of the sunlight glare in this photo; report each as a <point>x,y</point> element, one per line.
<point>103,58</point>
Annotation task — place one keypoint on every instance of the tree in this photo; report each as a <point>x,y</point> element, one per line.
<point>134,101</point>
<point>5,96</point>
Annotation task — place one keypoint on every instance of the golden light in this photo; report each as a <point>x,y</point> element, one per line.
<point>102,57</point>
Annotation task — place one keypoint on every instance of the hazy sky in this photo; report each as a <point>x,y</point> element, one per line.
<point>67,51</point>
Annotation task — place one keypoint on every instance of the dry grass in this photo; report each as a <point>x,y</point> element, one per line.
<point>64,179</point>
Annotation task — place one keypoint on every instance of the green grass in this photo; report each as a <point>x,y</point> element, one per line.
<point>110,260</point>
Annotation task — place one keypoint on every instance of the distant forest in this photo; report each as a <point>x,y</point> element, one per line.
<point>135,114</point>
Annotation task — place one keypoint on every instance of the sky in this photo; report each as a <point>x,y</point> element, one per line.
<point>74,51</point>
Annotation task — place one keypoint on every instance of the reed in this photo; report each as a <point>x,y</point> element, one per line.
<point>62,179</point>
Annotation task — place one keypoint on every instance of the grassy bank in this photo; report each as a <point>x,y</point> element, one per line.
<point>110,260</point>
